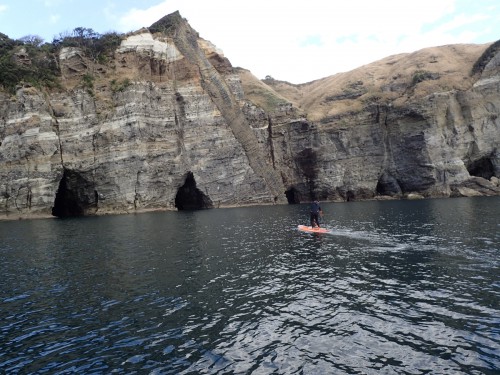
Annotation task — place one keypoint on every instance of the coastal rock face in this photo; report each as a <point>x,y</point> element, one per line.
<point>383,130</point>
<point>170,124</point>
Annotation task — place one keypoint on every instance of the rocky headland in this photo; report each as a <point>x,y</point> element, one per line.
<point>166,122</point>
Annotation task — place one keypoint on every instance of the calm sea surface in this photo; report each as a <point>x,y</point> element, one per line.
<point>399,287</point>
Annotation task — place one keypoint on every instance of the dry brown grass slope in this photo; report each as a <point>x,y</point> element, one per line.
<point>261,94</point>
<point>394,80</point>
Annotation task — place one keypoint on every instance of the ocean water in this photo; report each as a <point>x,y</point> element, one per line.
<point>397,287</point>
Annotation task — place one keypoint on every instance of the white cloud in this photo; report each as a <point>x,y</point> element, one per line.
<point>54,18</point>
<point>52,3</point>
<point>137,18</point>
<point>459,21</point>
<point>3,8</point>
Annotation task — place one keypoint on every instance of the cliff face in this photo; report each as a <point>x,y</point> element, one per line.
<point>419,123</point>
<point>169,123</point>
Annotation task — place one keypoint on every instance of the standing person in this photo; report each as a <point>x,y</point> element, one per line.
<point>315,212</point>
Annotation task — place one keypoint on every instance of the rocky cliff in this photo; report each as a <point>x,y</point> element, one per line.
<point>168,123</point>
<point>415,124</point>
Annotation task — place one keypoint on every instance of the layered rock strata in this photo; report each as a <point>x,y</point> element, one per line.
<point>170,124</point>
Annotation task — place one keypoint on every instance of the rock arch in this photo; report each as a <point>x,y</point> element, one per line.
<point>189,197</point>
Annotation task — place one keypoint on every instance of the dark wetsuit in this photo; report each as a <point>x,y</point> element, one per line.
<point>315,210</point>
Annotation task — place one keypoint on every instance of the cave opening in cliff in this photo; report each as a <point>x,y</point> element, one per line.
<point>75,196</point>
<point>189,197</point>
<point>482,168</point>
<point>292,196</point>
<point>388,185</point>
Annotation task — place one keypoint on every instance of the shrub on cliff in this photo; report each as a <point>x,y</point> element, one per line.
<point>39,64</point>
<point>7,44</point>
<point>120,85</point>
<point>97,46</point>
<point>423,75</point>
<point>10,73</point>
<point>25,61</point>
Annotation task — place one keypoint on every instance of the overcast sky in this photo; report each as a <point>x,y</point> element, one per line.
<point>292,40</point>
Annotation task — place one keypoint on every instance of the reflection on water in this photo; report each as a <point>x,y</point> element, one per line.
<point>397,287</point>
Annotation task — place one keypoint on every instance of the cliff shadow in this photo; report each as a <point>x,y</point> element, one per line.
<point>189,197</point>
<point>307,161</point>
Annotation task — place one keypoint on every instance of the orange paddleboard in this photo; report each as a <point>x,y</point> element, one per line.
<point>305,228</point>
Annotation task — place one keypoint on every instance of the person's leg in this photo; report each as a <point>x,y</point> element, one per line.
<point>314,220</point>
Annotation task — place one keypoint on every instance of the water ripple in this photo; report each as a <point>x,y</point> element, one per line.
<point>394,288</point>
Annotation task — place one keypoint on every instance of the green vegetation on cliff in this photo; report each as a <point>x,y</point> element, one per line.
<point>28,61</point>
<point>25,61</point>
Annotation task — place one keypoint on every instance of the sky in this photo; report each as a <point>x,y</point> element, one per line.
<point>291,40</point>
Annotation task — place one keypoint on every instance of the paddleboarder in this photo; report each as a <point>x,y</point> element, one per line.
<point>315,213</point>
